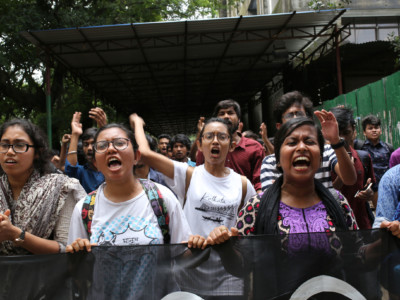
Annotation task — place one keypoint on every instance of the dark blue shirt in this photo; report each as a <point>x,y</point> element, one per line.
<point>157,177</point>
<point>380,154</point>
<point>89,178</point>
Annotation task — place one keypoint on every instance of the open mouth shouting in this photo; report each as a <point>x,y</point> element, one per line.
<point>215,151</point>
<point>301,163</point>
<point>114,163</point>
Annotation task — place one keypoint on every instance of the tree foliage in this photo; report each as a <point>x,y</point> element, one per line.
<point>394,41</point>
<point>328,4</point>
<point>22,95</point>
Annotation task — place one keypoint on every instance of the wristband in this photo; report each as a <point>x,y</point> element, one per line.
<point>338,145</point>
<point>72,152</point>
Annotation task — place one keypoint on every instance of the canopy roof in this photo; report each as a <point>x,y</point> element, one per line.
<point>171,73</point>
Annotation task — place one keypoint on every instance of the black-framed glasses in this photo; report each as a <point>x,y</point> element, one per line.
<point>118,144</point>
<point>221,136</point>
<point>291,115</point>
<point>17,148</point>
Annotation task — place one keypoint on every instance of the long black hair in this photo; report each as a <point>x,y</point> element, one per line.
<point>267,218</point>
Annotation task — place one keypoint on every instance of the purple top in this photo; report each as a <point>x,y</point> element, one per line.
<point>305,220</point>
<point>301,220</point>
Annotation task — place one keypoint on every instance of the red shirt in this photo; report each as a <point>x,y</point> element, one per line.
<point>357,205</point>
<point>246,160</point>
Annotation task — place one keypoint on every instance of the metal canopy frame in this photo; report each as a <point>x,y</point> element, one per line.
<point>171,73</point>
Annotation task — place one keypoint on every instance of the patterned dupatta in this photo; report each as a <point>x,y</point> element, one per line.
<point>37,208</point>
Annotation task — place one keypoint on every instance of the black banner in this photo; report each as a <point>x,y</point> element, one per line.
<point>353,265</point>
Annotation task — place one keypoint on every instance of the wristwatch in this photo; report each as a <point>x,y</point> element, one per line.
<point>339,144</point>
<point>19,240</point>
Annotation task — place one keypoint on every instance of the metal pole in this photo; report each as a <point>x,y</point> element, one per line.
<point>338,63</point>
<point>48,103</point>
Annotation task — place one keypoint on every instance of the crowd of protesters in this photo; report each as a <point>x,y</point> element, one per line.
<point>308,178</point>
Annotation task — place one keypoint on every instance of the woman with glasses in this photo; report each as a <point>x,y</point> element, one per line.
<point>211,195</point>
<point>122,208</point>
<point>122,214</point>
<point>35,205</point>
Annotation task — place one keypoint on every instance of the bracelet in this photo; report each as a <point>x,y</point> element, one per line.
<point>20,239</point>
<point>72,152</point>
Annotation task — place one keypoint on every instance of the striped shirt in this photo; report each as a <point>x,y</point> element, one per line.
<point>269,172</point>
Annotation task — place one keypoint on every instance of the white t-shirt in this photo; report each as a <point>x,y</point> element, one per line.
<point>211,202</point>
<point>131,222</point>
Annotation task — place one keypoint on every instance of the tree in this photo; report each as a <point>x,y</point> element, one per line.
<point>21,94</point>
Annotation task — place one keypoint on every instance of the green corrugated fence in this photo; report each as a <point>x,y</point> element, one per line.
<point>381,98</point>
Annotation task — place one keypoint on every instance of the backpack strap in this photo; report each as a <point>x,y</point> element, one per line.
<point>158,205</point>
<point>189,173</point>
<point>358,144</point>
<point>156,201</point>
<point>88,211</point>
<point>244,191</point>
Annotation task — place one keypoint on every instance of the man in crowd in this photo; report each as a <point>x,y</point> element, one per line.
<point>87,174</point>
<point>335,157</point>
<point>163,140</point>
<point>248,154</point>
<point>380,151</point>
<point>144,171</point>
<point>359,201</point>
<point>180,145</point>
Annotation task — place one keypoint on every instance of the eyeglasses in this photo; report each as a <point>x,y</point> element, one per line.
<point>119,144</point>
<point>222,137</point>
<point>291,115</point>
<point>18,148</point>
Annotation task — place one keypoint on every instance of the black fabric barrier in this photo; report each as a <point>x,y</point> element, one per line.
<point>353,265</point>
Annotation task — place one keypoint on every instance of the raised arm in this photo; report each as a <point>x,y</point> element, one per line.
<point>99,116</point>
<point>269,148</point>
<point>193,148</point>
<point>76,132</point>
<point>63,152</point>
<point>344,167</point>
<point>153,159</point>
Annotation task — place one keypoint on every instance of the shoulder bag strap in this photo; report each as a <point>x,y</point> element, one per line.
<point>88,211</point>
<point>157,203</point>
